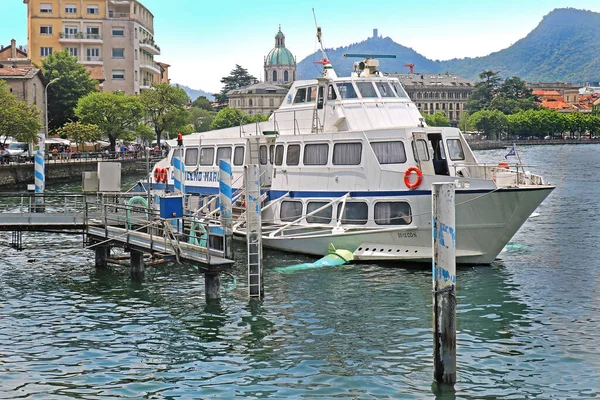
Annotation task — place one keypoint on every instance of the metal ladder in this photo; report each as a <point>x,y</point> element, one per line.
<point>254,232</point>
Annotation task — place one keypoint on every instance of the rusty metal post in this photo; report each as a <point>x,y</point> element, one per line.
<point>137,265</point>
<point>444,282</point>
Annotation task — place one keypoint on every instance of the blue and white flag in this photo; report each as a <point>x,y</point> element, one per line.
<point>511,153</point>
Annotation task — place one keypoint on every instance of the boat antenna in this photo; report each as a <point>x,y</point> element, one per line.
<point>328,70</point>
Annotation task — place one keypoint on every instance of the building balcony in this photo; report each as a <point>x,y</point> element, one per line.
<point>89,60</point>
<point>150,46</point>
<point>112,14</point>
<point>79,38</point>
<point>146,84</point>
<point>150,66</point>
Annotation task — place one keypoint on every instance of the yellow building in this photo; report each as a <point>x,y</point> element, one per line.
<point>114,39</point>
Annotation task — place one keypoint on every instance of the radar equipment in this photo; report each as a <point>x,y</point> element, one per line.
<point>368,67</point>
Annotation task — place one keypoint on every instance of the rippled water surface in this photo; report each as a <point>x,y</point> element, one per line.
<point>529,325</point>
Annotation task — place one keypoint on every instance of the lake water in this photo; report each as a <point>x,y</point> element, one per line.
<point>528,326</point>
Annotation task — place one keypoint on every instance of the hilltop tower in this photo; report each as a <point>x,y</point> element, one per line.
<point>280,64</point>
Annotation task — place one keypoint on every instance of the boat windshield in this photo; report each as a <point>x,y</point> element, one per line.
<point>347,90</point>
<point>399,90</point>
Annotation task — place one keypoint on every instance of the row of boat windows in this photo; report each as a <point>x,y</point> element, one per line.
<point>388,152</point>
<point>354,212</point>
<point>351,90</point>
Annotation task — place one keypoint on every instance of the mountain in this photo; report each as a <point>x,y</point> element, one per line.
<point>564,47</point>
<point>373,45</point>
<point>193,93</point>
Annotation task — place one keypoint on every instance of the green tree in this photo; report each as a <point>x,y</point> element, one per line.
<point>437,119</point>
<point>80,133</point>
<point>17,118</point>
<point>226,118</point>
<point>513,95</point>
<point>145,133</point>
<point>238,78</point>
<point>491,122</point>
<point>484,92</point>
<point>463,122</point>
<point>115,113</point>
<point>73,83</point>
<point>201,119</point>
<point>165,108</point>
<point>203,103</point>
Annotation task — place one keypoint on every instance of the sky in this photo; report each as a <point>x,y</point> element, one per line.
<point>203,40</point>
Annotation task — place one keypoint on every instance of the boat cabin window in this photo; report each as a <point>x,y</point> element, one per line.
<point>420,150</point>
<point>293,154</point>
<point>191,156</point>
<point>311,94</point>
<point>347,153</point>
<point>176,153</point>
<point>321,217</point>
<point>271,153</point>
<point>316,154</point>
<point>455,149</point>
<point>367,90</point>
<point>355,213</point>
<point>279,154</point>
<point>290,210</point>
<point>393,213</point>
<point>300,96</point>
<point>384,89</point>
<point>399,90</point>
<point>263,155</point>
<point>238,155</point>
<point>389,152</point>
<point>331,95</point>
<point>347,90</point>
<point>224,153</point>
<point>207,155</point>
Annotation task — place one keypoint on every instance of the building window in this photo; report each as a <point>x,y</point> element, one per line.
<point>93,54</point>
<point>316,154</point>
<point>45,51</point>
<point>118,31</point>
<point>250,102</point>
<point>71,9</point>
<point>93,32</point>
<point>93,9</point>
<point>393,213</point>
<point>290,210</point>
<point>46,8</point>
<point>46,30</point>
<point>320,217</point>
<point>118,74</point>
<point>34,93</point>
<point>136,54</point>
<point>286,76</point>
<point>274,76</point>
<point>136,75</point>
<point>347,153</point>
<point>118,53</point>
<point>74,51</point>
<point>355,213</point>
<point>271,102</point>
<point>389,152</point>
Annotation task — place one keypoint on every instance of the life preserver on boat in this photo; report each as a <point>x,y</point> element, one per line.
<point>157,175</point>
<point>407,174</point>
<point>503,165</point>
<point>162,175</point>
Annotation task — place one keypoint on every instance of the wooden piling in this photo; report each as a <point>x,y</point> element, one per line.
<point>102,253</point>
<point>137,265</point>
<point>444,283</point>
<point>212,286</point>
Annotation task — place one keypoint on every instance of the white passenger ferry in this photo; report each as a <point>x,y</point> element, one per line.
<point>350,161</point>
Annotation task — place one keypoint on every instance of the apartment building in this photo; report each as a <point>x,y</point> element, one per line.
<point>114,39</point>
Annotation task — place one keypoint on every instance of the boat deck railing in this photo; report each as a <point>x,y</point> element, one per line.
<point>504,174</point>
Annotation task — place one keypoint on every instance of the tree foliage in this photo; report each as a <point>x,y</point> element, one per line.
<point>144,132</point>
<point>203,103</point>
<point>229,117</point>
<point>80,133</point>
<point>490,122</point>
<point>201,119</point>
<point>437,119</point>
<point>17,118</point>
<point>73,83</point>
<point>237,78</point>
<point>165,108</point>
<point>115,113</point>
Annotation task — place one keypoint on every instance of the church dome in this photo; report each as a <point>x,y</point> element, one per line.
<point>280,55</point>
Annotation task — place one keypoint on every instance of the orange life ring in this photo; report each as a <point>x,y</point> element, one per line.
<point>503,165</point>
<point>409,171</point>
<point>157,175</point>
<point>163,175</point>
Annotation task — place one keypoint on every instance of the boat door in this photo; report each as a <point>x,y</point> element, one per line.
<point>423,152</point>
<point>264,158</point>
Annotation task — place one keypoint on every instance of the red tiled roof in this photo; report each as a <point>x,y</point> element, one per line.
<point>556,105</point>
<point>16,72</point>
<point>545,93</point>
